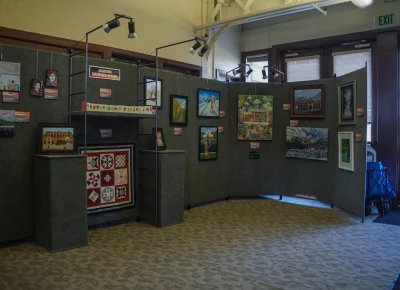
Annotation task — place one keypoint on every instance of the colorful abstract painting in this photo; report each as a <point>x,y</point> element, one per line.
<point>7,123</point>
<point>109,177</point>
<point>307,143</point>
<point>208,103</point>
<point>255,117</point>
<point>208,143</point>
<point>10,76</point>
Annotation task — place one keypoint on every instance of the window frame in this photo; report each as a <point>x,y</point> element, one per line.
<point>315,56</point>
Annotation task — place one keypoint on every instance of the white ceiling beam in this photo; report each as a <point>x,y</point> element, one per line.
<point>215,11</point>
<point>247,6</point>
<point>319,9</point>
<point>240,3</point>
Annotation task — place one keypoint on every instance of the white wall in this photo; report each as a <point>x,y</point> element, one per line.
<point>341,19</point>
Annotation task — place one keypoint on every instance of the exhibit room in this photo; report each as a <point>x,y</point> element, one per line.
<point>199,144</point>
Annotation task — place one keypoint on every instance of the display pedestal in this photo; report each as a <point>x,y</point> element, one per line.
<point>167,207</point>
<point>60,201</point>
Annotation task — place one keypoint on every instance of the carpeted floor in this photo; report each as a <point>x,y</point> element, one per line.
<point>391,218</point>
<point>251,244</point>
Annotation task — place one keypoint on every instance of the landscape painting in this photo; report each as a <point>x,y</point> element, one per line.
<point>208,103</point>
<point>56,138</point>
<point>307,143</point>
<point>255,117</point>
<point>308,101</point>
<point>7,123</point>
<point>346,150</point>
<point>10,76</point>
<point>347,103</point>
<point>208,143</point>
<point>178,111</point>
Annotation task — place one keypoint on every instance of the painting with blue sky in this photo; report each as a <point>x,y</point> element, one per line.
<point>10,76</point>
<point>208,103</point>
<point>308,101</point>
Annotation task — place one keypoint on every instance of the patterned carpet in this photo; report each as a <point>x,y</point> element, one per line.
<point>250,244</point>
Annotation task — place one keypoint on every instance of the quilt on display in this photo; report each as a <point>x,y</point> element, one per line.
<point>109,182</point>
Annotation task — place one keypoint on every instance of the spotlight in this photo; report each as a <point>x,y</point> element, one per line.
<point>238,71</point>
<point>203,51</point>
<point>195,47</point>
<point>131,28</point>
<point>264,74</point>
<point>111,25</point>
<point>249,72</point>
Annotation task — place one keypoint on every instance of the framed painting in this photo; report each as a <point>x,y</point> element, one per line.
<point>36,88</point>
<point>208,143</point>
<point>255,117</point>
<point>7,123</point>
<point>51,78</point>
<point>178,115</point>
<point>57,139</point>
<point>346,150</point>
<point>307,143</point>
<point>208,103</point>
<point>150,91</point>
<point>10,76</point>
<point>109,177</point>
<point>161,145</point>
<point>307,101</point>
<point>10,97</point>
<point>347,94</point>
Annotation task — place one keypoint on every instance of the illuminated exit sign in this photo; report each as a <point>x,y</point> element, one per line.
<point>385,20</point>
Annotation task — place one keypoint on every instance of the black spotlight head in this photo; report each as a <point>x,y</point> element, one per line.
<point>131,28</point>
<point>237,71</point>
<point>264,74</point>
<point>111,25</point>
<point>249,72</point>
<point>195,47</point>
<point>203,51</point>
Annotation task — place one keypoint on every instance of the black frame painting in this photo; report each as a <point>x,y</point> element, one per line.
<point>175,108</point>
<point>149,81</point>
<point>50,82</point>
<point>347,95</point>
<point>207,104</point>
<point>163,146</point>
<point>207,150</point>
<point>57,137</point>
<point>305,107</point>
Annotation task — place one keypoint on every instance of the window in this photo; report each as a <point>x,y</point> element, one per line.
<point>345,62</point>
<point>257,63</point>
<point>303,68</point>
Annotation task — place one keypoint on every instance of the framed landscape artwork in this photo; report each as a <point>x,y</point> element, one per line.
<point>57,139</point>
<point>160,138</point>
<point>109,177</point>
<point>346,150</point>
<point>307,143</point>
<point>7,123</point>
<point>10,76</point>
<point>178,114</point>
<point>347,94</point>
<point>308,101</point>
<point>208,143</point>
<point>150,91</point>
<point>208,103</point>
<point>255,117</point>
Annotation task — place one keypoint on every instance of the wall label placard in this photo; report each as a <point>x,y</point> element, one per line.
<point>105,73</point>
<point>254,155</point>
<point>385,20</point>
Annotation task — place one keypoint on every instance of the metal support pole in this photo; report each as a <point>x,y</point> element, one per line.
<point>70,87</point>
<point>86,85</point>
<point>156,136</point>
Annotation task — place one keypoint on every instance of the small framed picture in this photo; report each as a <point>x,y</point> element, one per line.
<point>150,91</point>
<point>22,117</point>
<point>50,94</point>
<point>208,103</point>
<point>346,150</point>
<point>178,114</point>
<point>160,139</point>
<point>10,97</point>
<point>36,88</point>
<point>308,101</point>
<point>57,139</point>
<point>51,78</point>
<point>208,143</point>
<point>105,93</point>
<point>347,94</point>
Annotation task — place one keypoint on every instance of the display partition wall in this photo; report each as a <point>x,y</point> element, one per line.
<point>232,174</point>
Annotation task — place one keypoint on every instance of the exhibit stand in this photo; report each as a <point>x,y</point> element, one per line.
<point>60,205</point>
<point>162,207</point>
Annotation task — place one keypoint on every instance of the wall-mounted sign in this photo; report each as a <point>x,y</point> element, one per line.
<point>222,114</point>
<point>104,73</point>
<point>221,129</point>
<point>385,20</point>
<point>254,155</point>
<point>254,145</point>
<point>360,112</point>
<point>286,107</point>
<point>359,137</point>
<point>178,131</point>
<point>294,123</point>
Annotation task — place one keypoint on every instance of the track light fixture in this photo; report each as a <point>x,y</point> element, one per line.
<point>111,25</point>
<point>203,51</point>
<point>248,72</point>
<point>195,47</point>
<point>132,30</point>
<point>264,73</point>
<point>276,73</point>
<point>237,71</point>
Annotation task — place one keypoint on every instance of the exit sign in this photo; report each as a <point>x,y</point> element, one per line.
<point>390,19</point>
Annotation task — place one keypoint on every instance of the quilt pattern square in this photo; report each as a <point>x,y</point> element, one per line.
<point>109,177</point>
